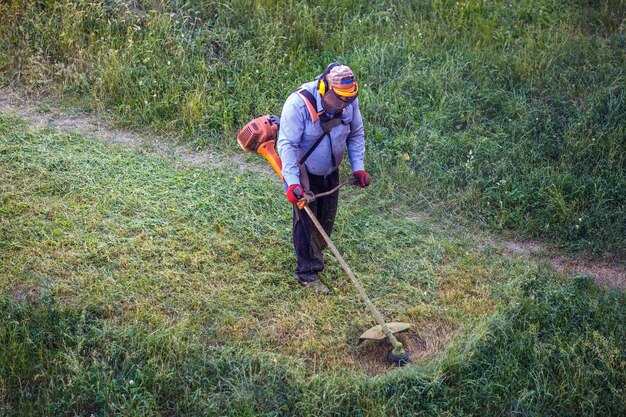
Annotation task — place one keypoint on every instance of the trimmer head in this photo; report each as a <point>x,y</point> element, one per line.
<point>398,360</point>
<point>396,355</point>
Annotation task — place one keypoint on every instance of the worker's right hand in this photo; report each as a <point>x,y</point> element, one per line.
<point>294,193</point>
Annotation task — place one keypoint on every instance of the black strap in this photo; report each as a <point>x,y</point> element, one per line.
<point>332,152</point>
<point>312,148</point>
<point>307,94</point>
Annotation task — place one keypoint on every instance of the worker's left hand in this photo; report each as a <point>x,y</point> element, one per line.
<point>361,179</point>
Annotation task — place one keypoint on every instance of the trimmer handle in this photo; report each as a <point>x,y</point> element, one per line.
<point>309,197</point>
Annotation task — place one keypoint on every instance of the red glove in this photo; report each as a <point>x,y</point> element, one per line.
<point>294,193</point>
<point>361,179</point>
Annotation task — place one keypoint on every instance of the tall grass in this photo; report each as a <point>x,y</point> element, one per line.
<point>507,113</point>
<point>554,349</point>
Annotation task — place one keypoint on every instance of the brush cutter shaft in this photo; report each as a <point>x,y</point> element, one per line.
<point>392,339</point>
<point>346,182</point>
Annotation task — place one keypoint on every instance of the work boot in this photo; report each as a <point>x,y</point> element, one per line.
<point>316,287</point>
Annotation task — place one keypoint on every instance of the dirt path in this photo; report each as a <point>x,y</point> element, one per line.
<point>48,115</point>
<point>606,271</point>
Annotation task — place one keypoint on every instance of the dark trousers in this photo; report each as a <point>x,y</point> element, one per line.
<point>307,241</point>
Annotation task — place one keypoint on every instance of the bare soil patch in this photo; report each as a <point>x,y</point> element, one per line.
<point>423,341</point>
<point>607,271</point>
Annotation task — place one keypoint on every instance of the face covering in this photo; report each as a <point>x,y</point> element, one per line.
<point>333,104</point>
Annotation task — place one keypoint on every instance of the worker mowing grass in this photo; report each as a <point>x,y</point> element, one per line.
<point>318,122</point>
<point>313,188</point>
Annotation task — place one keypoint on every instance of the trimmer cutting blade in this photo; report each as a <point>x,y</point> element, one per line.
<point>376,332</point>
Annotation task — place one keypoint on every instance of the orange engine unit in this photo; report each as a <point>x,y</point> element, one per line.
<point>259,135</point>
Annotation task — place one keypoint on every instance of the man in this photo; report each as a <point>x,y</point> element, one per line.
<point>318,122</point>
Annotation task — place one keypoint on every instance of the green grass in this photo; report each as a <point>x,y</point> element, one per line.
<point>510,114</point>
<point>115,266</point>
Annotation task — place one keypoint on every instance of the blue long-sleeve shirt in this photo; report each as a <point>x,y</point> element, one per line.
<point>298,133</point>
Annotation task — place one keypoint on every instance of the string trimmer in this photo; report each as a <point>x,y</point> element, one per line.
<point>259,136</point>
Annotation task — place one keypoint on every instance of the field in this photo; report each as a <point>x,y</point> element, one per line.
<point>133,282</point>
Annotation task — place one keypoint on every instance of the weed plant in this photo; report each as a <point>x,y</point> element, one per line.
<point>509,113</point>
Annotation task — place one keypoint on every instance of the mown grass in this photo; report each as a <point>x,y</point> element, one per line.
<point>121,231</point>
<point>506,113</point>
<point>131,287</point>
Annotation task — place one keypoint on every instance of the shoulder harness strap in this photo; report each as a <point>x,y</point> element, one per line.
<point>311,103</point>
